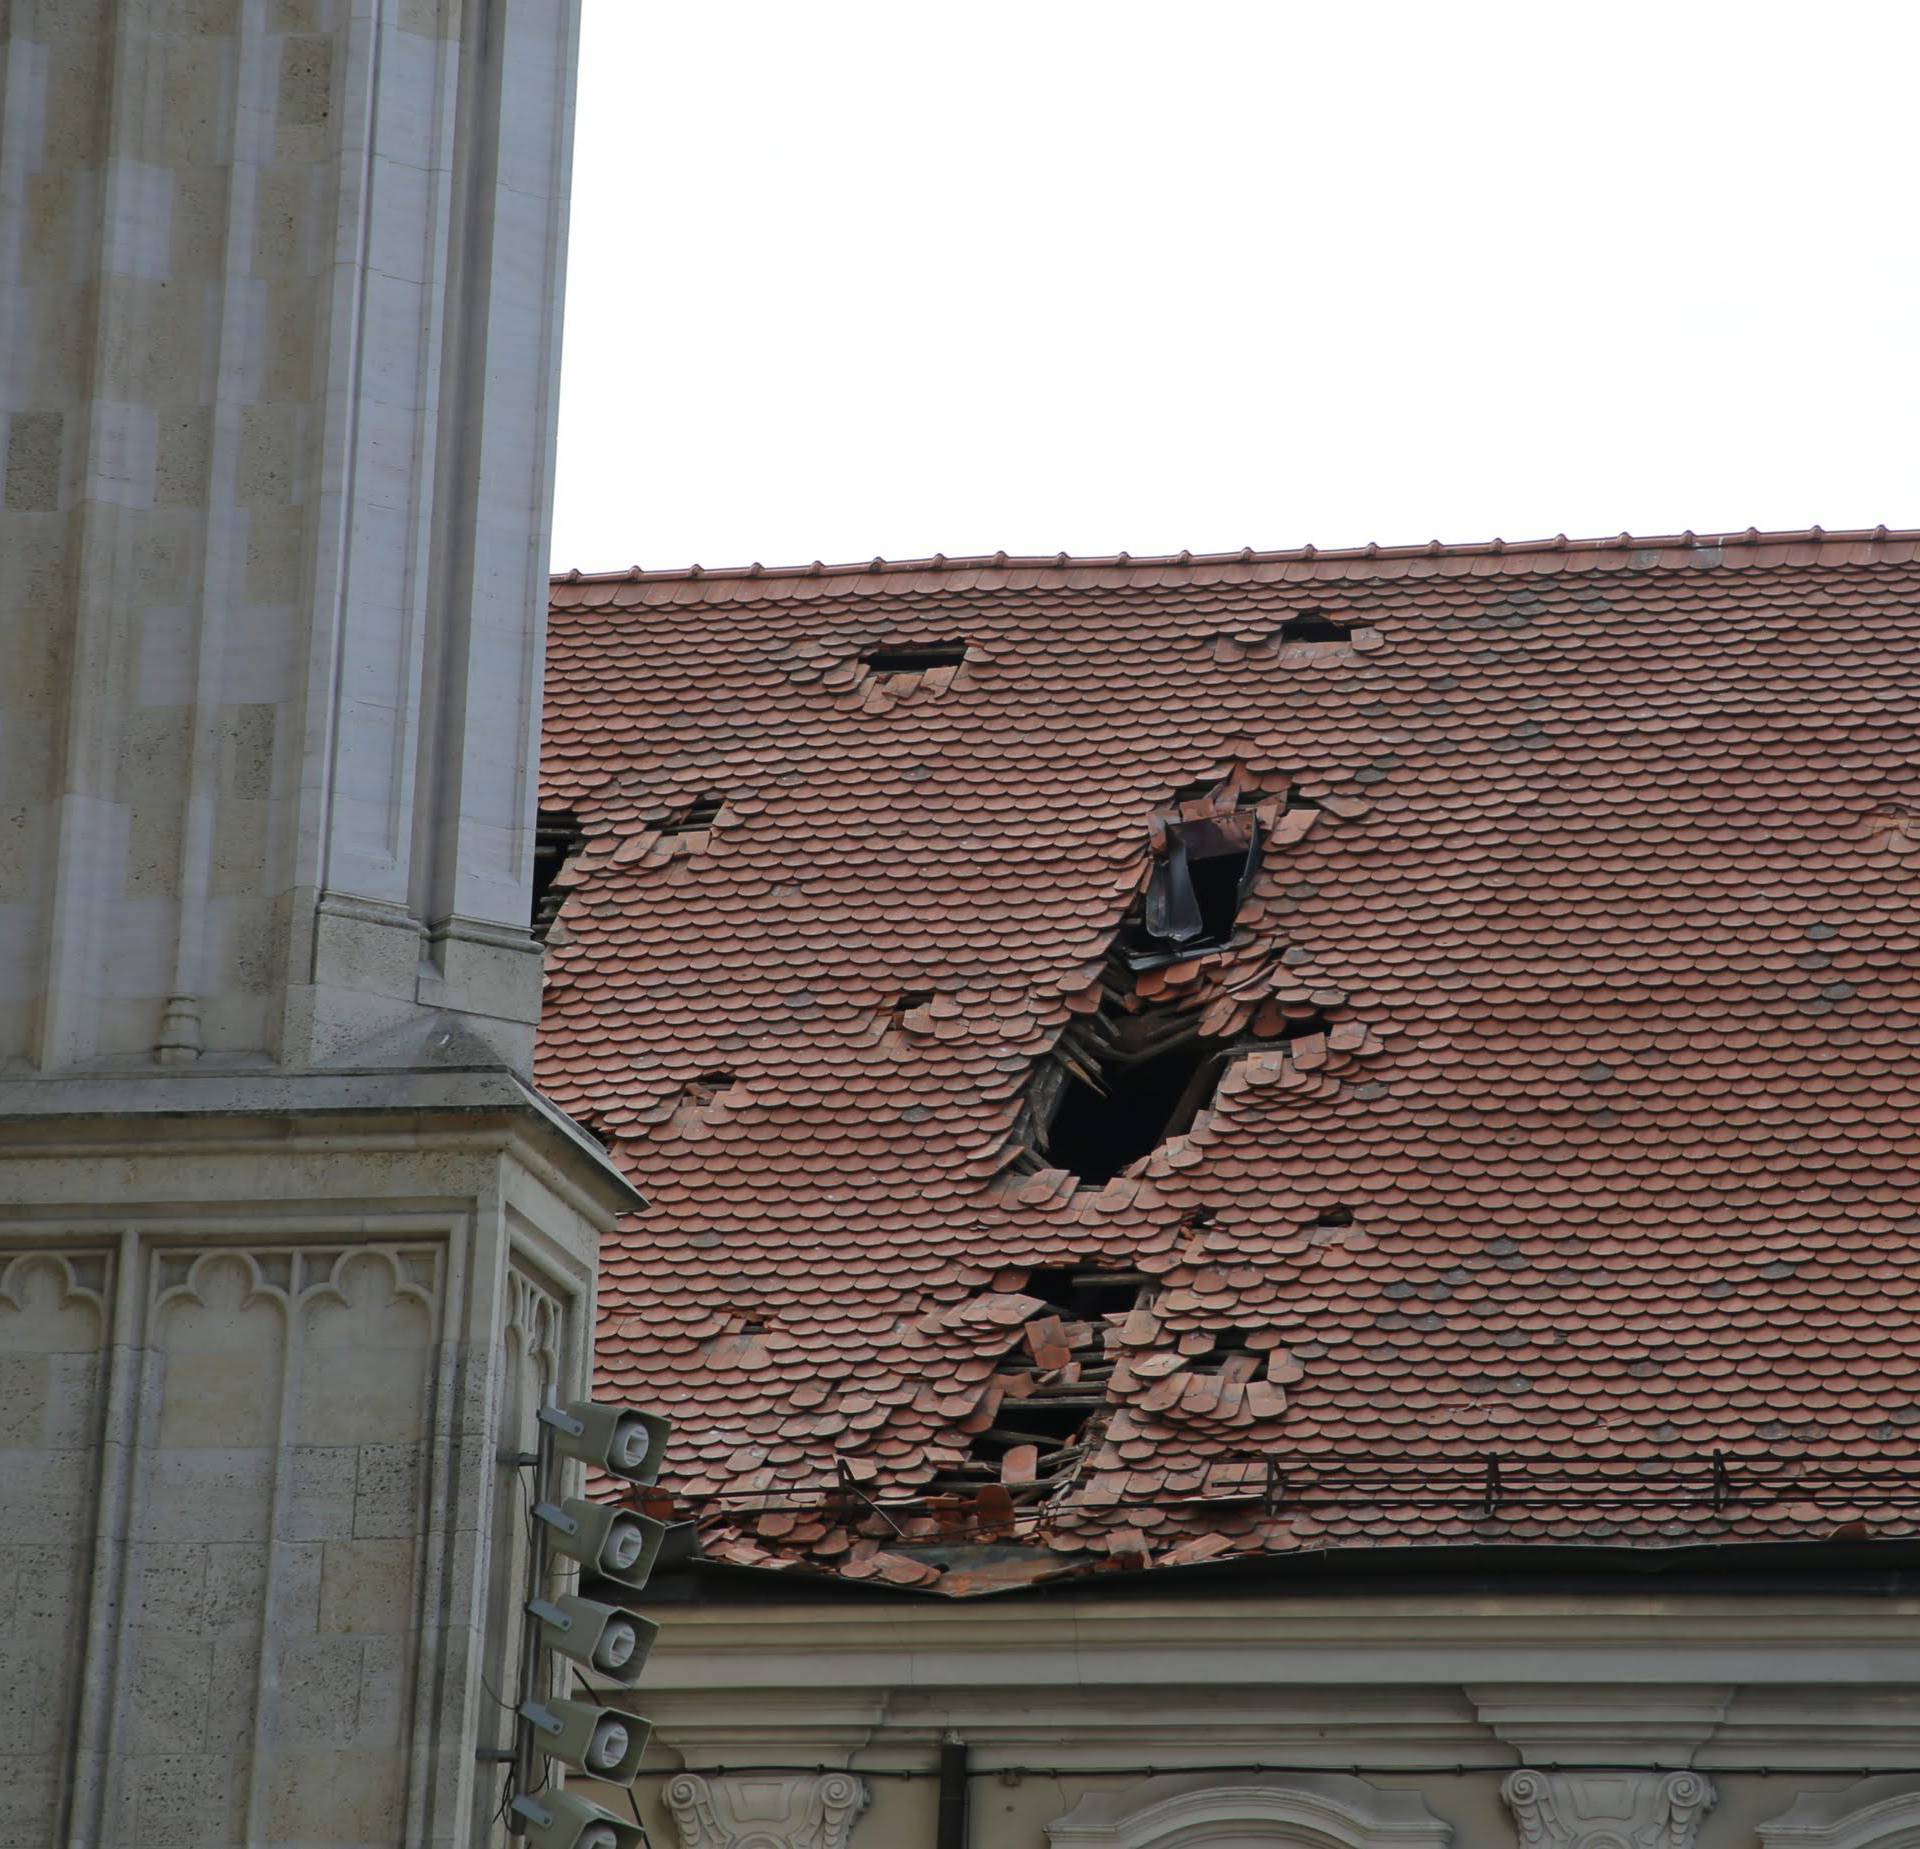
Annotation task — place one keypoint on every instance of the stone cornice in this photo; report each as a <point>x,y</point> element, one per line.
<point>1523,1639</point>
<point>360,1111</point>
<point>1716,1684</point>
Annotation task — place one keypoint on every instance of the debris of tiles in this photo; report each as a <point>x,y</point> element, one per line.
<point>1528,1152</point>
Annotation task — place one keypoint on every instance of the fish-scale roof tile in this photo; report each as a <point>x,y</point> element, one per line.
<point>1611,900</point>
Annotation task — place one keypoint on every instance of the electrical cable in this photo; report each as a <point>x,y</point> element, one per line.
<point>1456,1770</point>
<point>526,1498</point>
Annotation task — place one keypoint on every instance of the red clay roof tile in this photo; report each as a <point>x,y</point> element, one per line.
<point>1605,1165</point>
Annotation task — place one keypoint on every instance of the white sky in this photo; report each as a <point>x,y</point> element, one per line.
<point>912,277</point>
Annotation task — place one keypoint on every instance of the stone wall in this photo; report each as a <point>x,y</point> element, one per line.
<point>279,317</point>
<point>258,1559</point>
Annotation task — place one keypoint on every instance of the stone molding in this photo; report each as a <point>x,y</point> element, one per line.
<point>1604,1723</point>
<point>783,1810</point>
<point>1877,1813</point>
<point>1317,1811</point>
<point>1607,1810</point>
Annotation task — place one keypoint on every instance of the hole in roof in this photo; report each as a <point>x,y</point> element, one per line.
<point>707,1087</point>
<point>1138,1070</point>
<point>1054,1381</point>
<point>1128,1104</point>
<point>1224,1345</point>
<point>1088,1288</point>
<point>691,816</point>
<point>894,1013</point>
<point>1314,626</point>
<point>1334,1216</point>
<point>915,657</point>
<point>557,837</point>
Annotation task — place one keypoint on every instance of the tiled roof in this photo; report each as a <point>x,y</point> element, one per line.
<point>1565,1184</point>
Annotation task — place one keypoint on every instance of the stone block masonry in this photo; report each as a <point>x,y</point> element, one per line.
<point>279,319</point>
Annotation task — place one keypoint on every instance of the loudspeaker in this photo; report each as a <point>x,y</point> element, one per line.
<point>558,1820</point>
<point>601,1742</point>
<point>613,1543</point>
<point>621,1440</point>
<point>607,1639</point>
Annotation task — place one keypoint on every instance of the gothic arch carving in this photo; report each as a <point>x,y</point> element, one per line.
<point>56,1310</point>
<point>1876,1813</point>
<point>225,1281</point>
<point>366,1296</point>
<point>1312,1811</point>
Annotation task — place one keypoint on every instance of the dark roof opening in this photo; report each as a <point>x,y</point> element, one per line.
<point>1199,882</point>
<point>1225,1344</point>
<point>557,835</point>
<point>1216,885</point>
<point>915,657</point>
<point>1097,1132</point>
<point>1086,1289</point>
<point>1314,626</point>
<point>692,816</point>
<point>595,1129</point>
<point>1061,1365</point>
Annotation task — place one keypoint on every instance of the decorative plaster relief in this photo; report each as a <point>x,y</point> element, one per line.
<point>1877,1813</point>
<point>1316,1811</point>
<point>780,1811</point>
<point>1607,1810</point>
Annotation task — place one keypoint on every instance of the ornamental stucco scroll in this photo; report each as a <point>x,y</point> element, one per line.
<point>792,1810</point>
<point>1607,1810</point>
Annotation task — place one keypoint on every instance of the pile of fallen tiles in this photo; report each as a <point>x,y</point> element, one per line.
<point>1589,1217</point>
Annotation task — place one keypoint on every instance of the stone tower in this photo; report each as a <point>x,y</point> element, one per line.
<point>288,1245</point>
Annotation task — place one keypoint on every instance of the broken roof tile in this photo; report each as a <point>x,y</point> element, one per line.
<point>1603,1158</point>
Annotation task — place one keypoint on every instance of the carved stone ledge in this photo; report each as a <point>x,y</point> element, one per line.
<point>1607,1810</point>
<point>776,1810</point>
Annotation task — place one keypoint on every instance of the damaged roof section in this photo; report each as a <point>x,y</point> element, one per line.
<point>1267,1053</point>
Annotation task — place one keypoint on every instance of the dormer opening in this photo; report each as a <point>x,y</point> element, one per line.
<point>1200,880</point>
